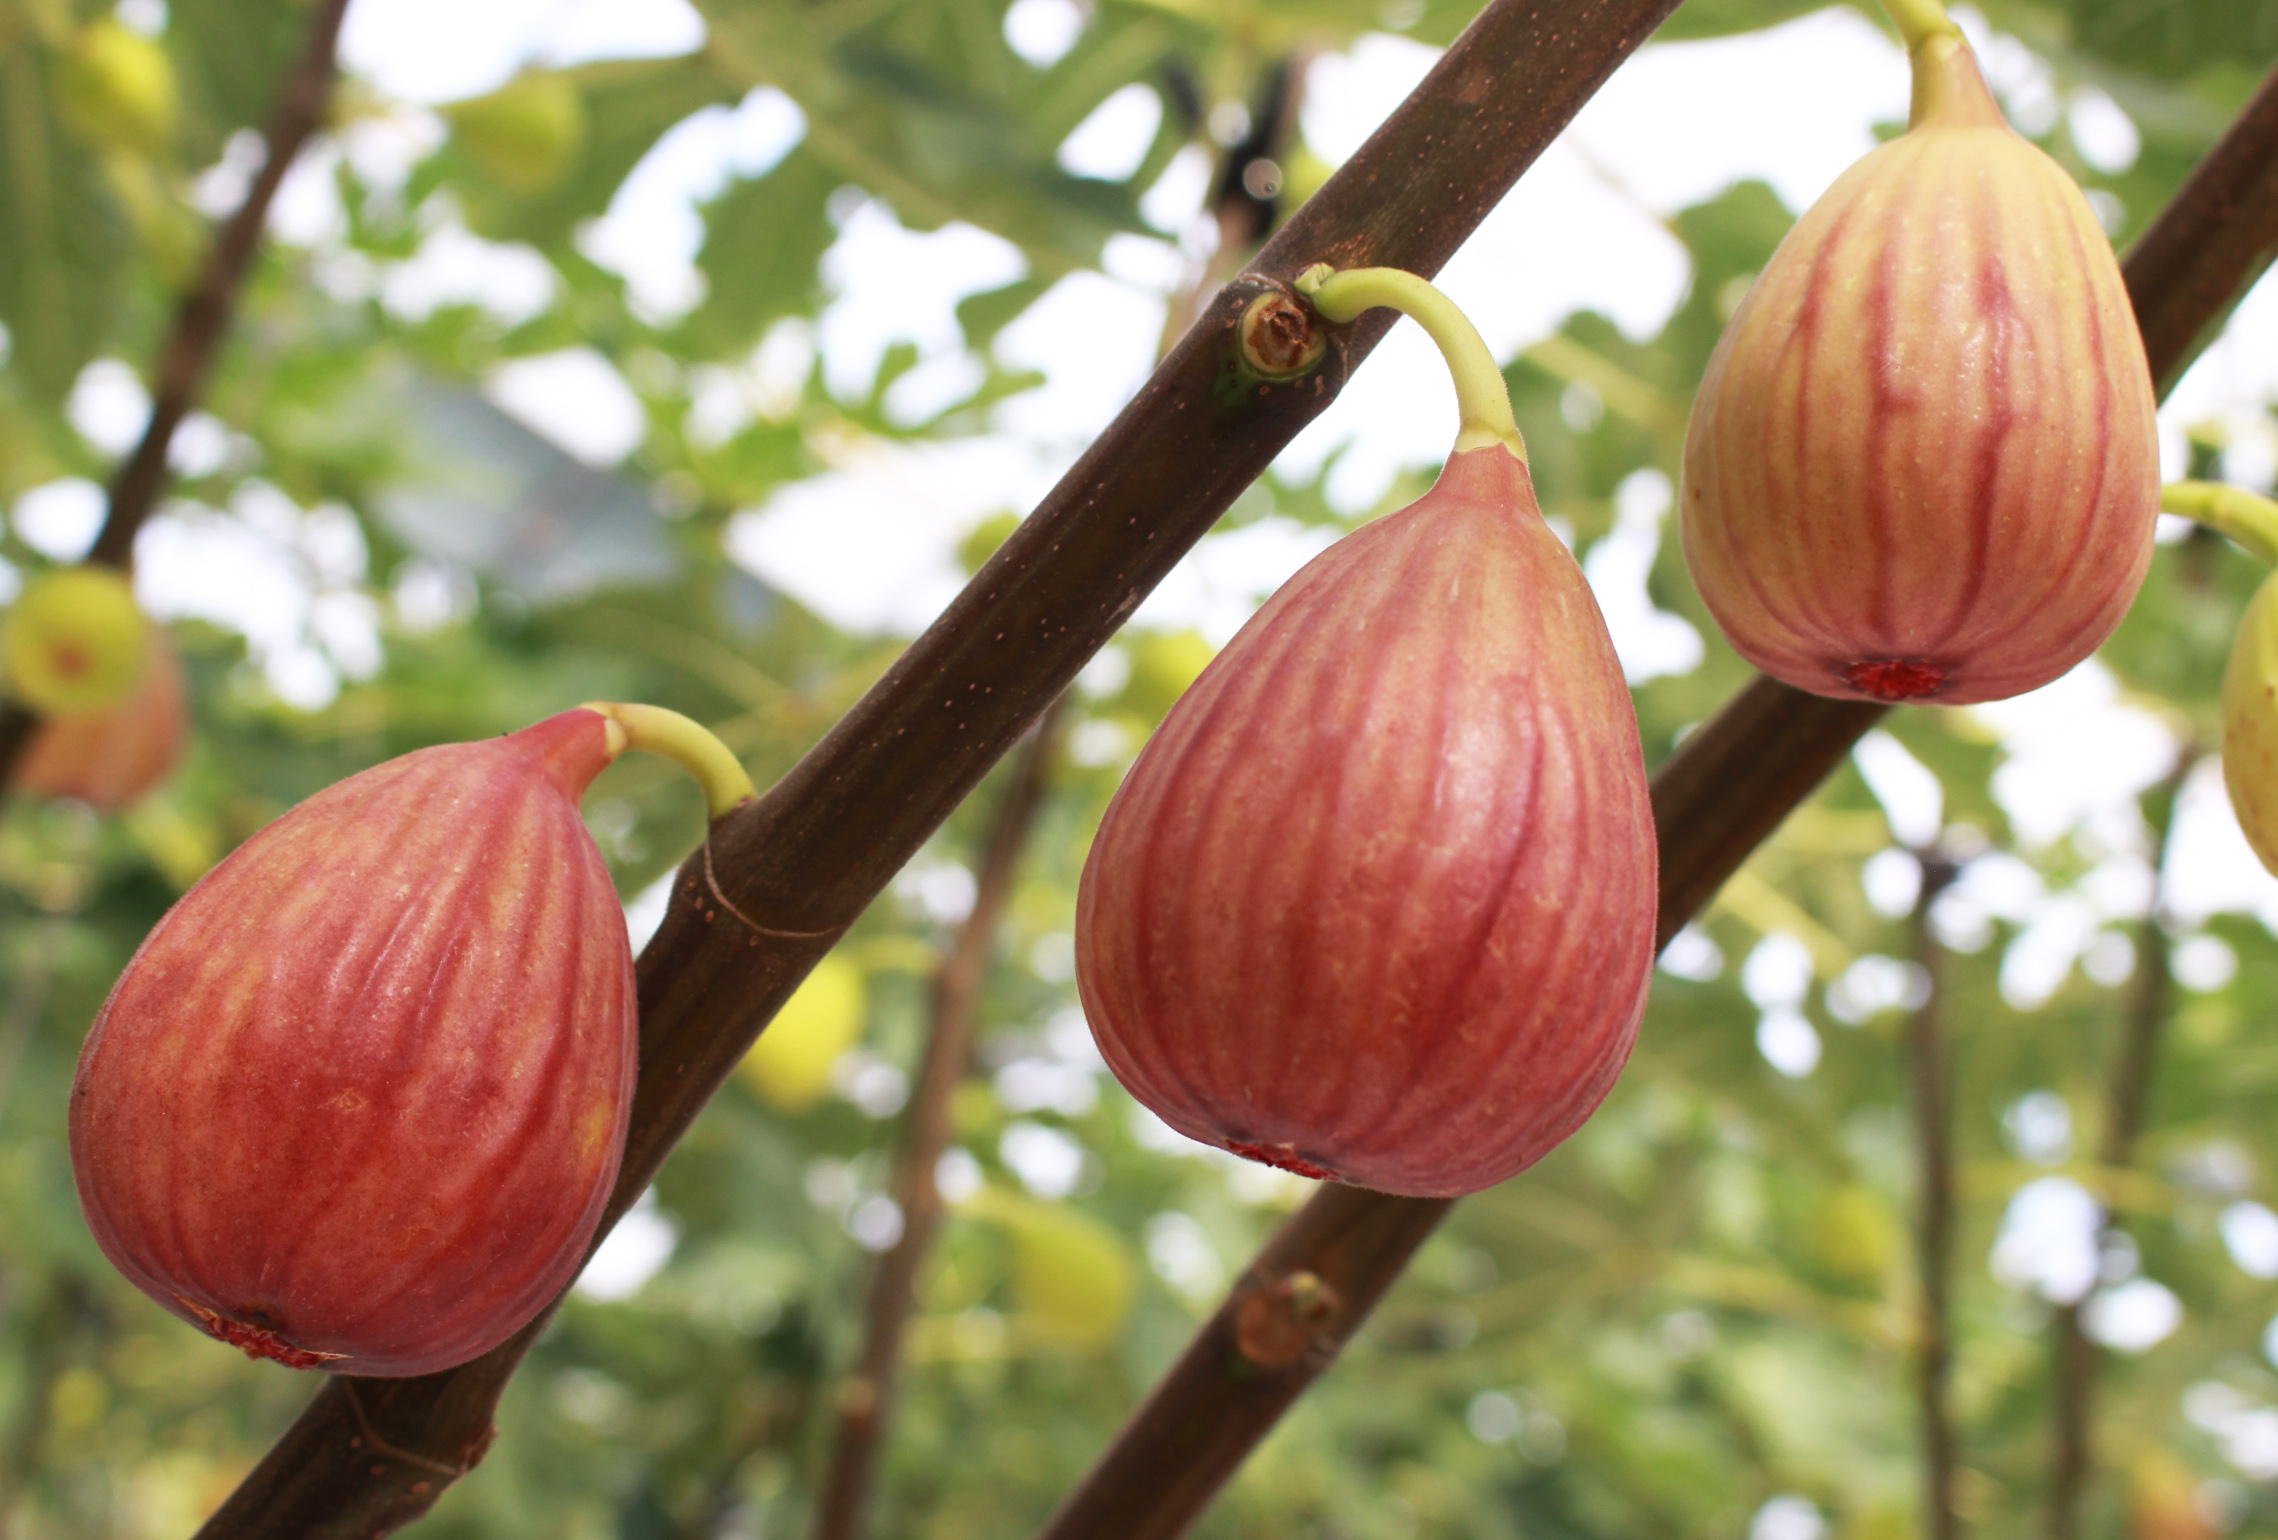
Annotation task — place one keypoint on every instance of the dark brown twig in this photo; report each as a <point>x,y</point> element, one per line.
<point>866,1400</point>
<point>2072,1466</point>
<point>1933,1090</point>
<point>200,326</point>
<point>804,860</point>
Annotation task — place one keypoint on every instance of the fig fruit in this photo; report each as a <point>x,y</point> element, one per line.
<point>74,640</point>
<point>109,759</point>
<point>358,1101</point>
<point>526,134</point>
<point>1073,1278</point>
<point>1377,901</point>
<point>1922,464</point>
<point>790,1065</point>
<point>2250,723</point>
<point>116,87</point>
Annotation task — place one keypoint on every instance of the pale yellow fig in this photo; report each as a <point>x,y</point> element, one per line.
<point>526,134</point>
<point>74,641</point>
<point>1073,1278</point>
<point>116,87</point>
<point>1922,464</point>
<point>2250,723</point>
<point>790,1065</point>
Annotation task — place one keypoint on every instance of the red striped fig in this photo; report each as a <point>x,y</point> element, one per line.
<point>359,1100</point>
<point>1922,464</point>
<point>1377,901</point>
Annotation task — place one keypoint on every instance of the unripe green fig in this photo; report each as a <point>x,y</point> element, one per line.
<point>790,1065</point>
<point>1377,902</point>
<point>526,134</point>
<point>359,1099</point>
<point>74,641</point>
<point>1922,464</point>
<point>1073,1278</point>
<point>110,758</point>
<point>2250,723</point>
<point>116,87</point>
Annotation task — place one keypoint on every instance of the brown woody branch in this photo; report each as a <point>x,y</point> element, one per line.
<point>1726,788</point>
<point>795,868</point>
<point>1931,1072</point>
<point>865,1401</point>
<point>200,325</point>
<point>2071,1466</point>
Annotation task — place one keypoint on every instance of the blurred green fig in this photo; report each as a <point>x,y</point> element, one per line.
<point>1922,464</point>
<point>74,641</point>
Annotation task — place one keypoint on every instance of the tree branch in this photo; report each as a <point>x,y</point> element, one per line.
<point>866,1399</point>
<point>1933,1089</point>
<point>200,326</point>
<point>795,868</point>
<point>2072,1466</point>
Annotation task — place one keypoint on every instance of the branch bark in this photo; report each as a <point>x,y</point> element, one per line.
<point>1933,1089</point>
<point>866,1399</point>
<point>2072,1467</point>
<point>200,325</point>
<point>779,881</point>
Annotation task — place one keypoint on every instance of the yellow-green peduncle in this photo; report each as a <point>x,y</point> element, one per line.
<point>1918,21</point>
<point>1481,397</point>
<point>2250,520</point>
<point>687,743</point>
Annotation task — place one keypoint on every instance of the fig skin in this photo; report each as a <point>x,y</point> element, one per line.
<point>1377,902</point>
<point>1922,464</point>
<point>111,759</point>
<point>2250,723</point>
<point>360,1098</point>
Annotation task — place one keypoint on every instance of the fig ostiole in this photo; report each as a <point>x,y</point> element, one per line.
<point>359,1099</point>
<point>1377,902</point>
<point>1922,464</point>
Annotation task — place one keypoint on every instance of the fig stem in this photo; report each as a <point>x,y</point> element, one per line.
<point>687,743</point>
<point>2249,519</point>
<point>1480,394</point>
<point>1918,21</point>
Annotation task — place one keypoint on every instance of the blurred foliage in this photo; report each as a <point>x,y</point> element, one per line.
<point>1699,1304</point>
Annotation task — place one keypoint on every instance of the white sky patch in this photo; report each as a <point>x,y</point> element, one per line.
<point>577,399</point>
<point>455,266</point>
<point>109,405</point>
<point>1112,140</point>
<point>631,1254</point>
<point>904,508</point>
<point>1649,641</point>
<point>652,232</point>
<point>61,518</point>
<point>2211,869</point>
<point>2048,1239</point>
<point>2077,758</point>
<point>1042,31</point>
<point>2137,1315</point>
<point>1909,792</point>
<point>1224,579</point>
<point>2250,1235</point>
<point>891,284</point>
<point>395,46</point>
<point>1094,340</point>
